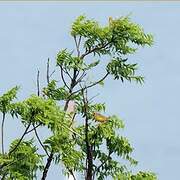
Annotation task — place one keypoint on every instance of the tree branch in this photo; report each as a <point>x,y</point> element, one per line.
<point>89,158</point>
<point>62,77</point>
<point>95,49</point>
<point>81,77</point>
<point>77,45</point>
<point>47,74</point>
<point>66,71</point>
<point>71,172</point>
<point>2,132</point>
<point>97,169</point>
<point>89,86</point>
<point>50,158</point>
<point>35,130</point>
<point>38,86</point>
<point>48,163</point>
<point>10,152</point>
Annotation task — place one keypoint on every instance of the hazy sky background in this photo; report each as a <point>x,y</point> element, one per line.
<point>30,32</point>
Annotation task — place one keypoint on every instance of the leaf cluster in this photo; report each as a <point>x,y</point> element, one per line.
<point>120,69</point>
<point>22,163</point>
<point>115,38</point>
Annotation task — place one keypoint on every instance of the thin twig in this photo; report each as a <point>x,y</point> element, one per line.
<point>38,93</point>
<point>90,100</point>
<point>77,45</point>
<point>47,75</point>
<point>95,49</point>
<point>52,74</point>
<point>10,152</point>
<point>2,131</point>
<point>66,71</point>
<point>35,130</point>
<point>91,85</point>
<point>81,77</point>
<point>38,85</point>
<point>79,41</point>
<point>71,172</point>
<point>62,77</point>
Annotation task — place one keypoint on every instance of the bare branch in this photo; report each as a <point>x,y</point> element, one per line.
<point>95,49</point>
<point>90,100</point>
<point>48,163</point>
<point>47,75</point>
<point>35,130</point>
<point>66,71</point>
<point>71,172</point>
<point>81,77</point>
<point>77,45</point>
<point>20,139</point>
<point>38,85</point>
<point>89,154</point>
<point>91,85</point>
<point>51,74</point>
<point>2,131</point>
<point>62,77</point>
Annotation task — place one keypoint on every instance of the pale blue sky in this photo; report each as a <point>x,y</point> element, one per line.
<point>30,32</point>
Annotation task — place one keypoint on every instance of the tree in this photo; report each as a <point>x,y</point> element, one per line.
<point>82,139</point>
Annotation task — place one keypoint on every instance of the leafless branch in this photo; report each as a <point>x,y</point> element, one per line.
<point>66,71</point>
<point>81,77</point>
<point>62,77</point>
<point>89,86</point>
<point>51,74</point>
<point>34,128</point>
<point>36,133</point>
<point>71,172</point>
<point>77,44</point>
<point>48,163</point>
<point>95,49</point>
<point>38,85</point>
<point>89,155</point>
<point>2,131</point>
<point>12,150</point>
<point>47,74</point>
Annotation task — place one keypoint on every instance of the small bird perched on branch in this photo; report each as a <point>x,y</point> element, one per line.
<point>100,118</point>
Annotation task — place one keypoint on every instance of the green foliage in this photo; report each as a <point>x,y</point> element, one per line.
<point>115,38</point>
<point>144,176</point>
<point>139,176</point>
<point>55,93</point>
<point>122,70</point>
<point>23,162</point>
<point>39,110</point>
<point>7,98</point>
<point>75,135</point>
<point>67,60</point>
<point>64,148</point>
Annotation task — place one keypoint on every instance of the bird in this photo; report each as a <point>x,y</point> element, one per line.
<point>100,118</point>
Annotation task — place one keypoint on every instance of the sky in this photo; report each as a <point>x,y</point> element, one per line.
<point>32,32</point>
